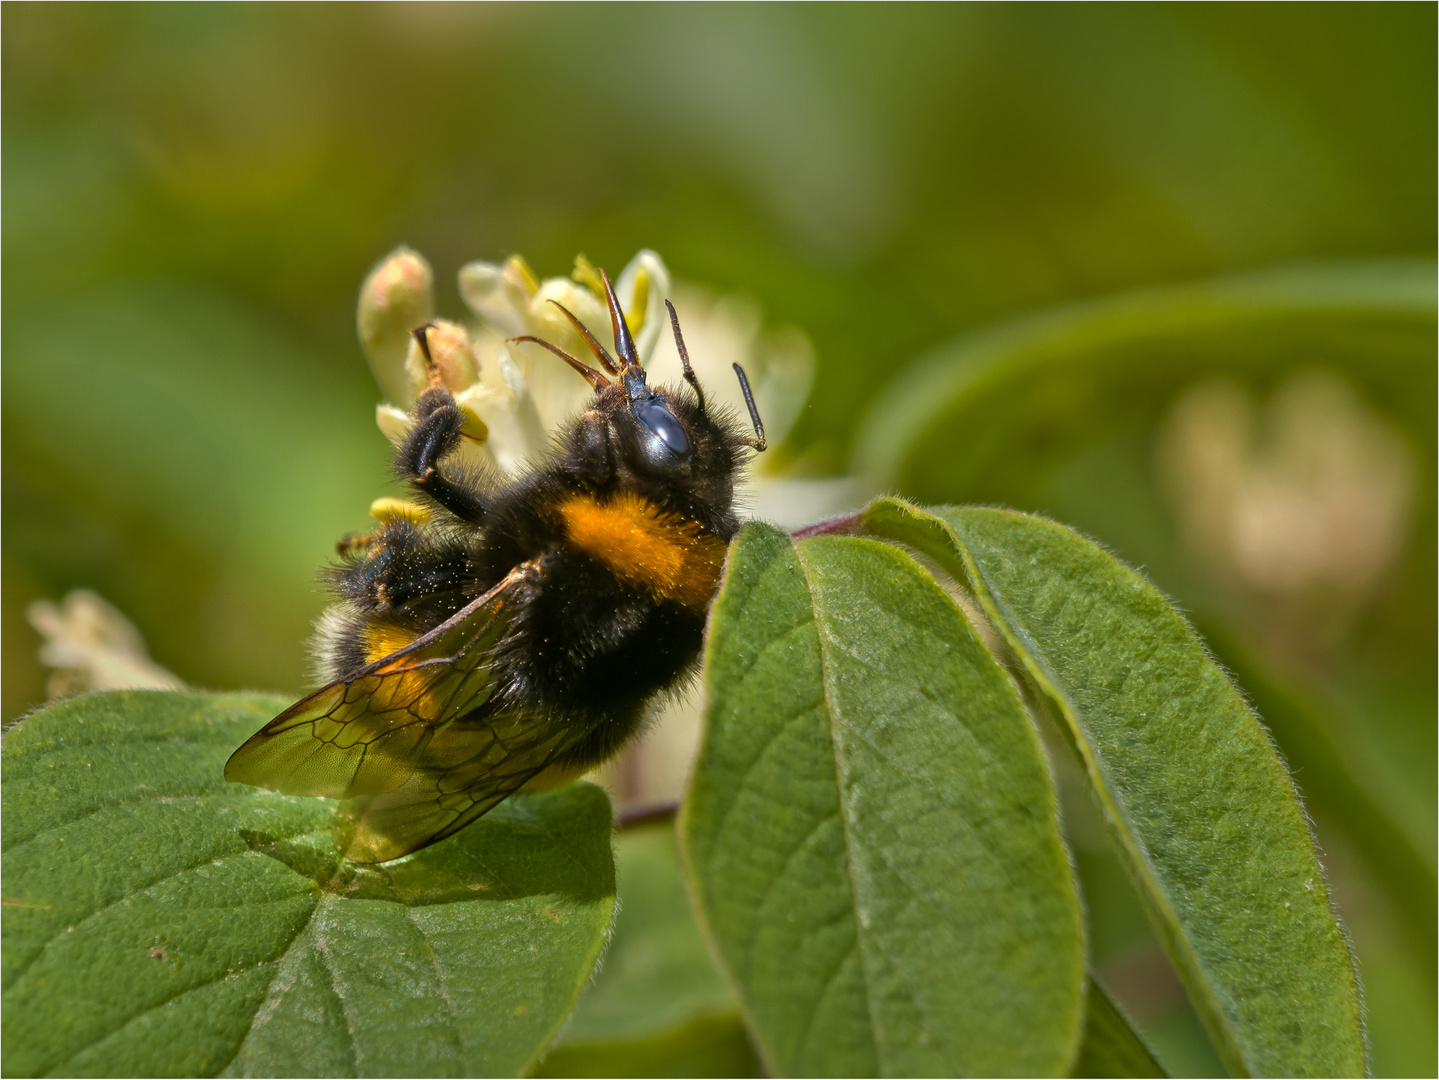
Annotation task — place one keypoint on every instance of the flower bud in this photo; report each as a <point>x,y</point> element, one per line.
<point>451,359</point>
<point>397,297</point>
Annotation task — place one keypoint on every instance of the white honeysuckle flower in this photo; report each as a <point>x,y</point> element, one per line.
<point>517,394</point>
<point>1295,506</point>
<point>1308,490</point>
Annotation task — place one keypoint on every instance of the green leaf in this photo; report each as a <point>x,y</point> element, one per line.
<point>1203,809</point>
<point>658,1006</point>
<point>162,922</point>
<point>1110,1046</point>
<point>870,832</point>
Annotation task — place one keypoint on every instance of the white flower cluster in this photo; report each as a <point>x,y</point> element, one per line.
<point>514,395</point>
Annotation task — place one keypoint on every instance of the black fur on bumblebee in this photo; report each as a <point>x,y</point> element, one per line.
<point>516,638</point>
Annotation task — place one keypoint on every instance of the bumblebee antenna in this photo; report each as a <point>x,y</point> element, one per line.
<point>757,442</point>
<point>593,377</point>
<point>685,356</point>
<point>595,347</point>
<point>624,343</point>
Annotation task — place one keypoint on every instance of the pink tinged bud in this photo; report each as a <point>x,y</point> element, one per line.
<point>451,359</point>
<point>397,297</point>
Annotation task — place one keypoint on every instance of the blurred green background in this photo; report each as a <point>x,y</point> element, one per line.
<point>193,194</point>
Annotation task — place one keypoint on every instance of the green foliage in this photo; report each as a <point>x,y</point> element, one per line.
<point>160,921</point>
<point>871,837</point>
<point>882,178</point>
<point>194,192</point>
<point>1066,412</point>
<point>1202,807</point>
<point>870,818</point>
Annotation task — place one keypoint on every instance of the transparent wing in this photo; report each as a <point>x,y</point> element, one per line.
<point>406,741</point>
<point>468,768</point>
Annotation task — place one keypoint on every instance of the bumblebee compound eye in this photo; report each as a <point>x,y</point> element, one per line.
<point>667,435</point>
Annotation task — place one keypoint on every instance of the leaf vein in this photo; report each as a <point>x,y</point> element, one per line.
<point>138,891</point>
<point>832,713</point>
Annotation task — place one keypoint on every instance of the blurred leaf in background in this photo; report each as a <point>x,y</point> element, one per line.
<point>194,193</point>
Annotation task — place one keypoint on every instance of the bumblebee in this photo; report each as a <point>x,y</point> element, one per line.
<point>515,640</point>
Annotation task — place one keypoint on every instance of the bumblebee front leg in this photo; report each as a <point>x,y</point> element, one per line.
<point>436,433</point>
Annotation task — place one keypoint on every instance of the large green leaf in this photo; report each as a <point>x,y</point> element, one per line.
<point>870,831</point>
<point>160,921</point>
<point>658,1006</point>
<point>1202,807</point>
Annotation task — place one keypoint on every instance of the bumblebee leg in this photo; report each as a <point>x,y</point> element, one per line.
<point>435,434</point>
<point>354,544</point>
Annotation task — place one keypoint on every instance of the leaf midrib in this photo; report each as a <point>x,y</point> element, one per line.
<point>841,776</point>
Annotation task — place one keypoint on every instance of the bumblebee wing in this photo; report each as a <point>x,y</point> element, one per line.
<point>393,722</point>
<point>468,767</point>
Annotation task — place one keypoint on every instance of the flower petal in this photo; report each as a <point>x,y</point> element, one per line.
<point>515,435</point>
<point>558,391</point>
<point>499,294</point>
<point>642,288</point>
<point>394,423</point>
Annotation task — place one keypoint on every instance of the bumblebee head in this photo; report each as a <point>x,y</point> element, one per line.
<point>664,443</point>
